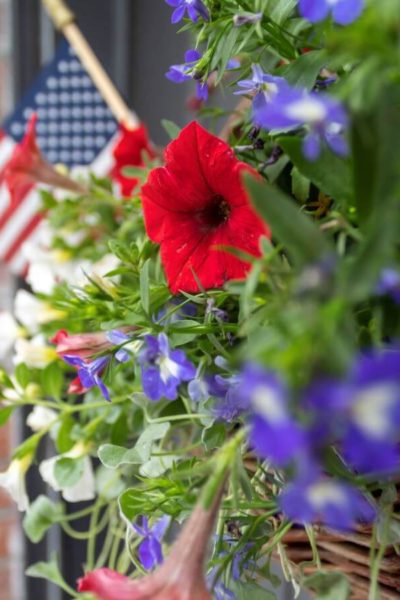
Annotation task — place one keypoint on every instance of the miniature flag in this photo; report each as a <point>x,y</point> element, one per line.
<point>75,127</point>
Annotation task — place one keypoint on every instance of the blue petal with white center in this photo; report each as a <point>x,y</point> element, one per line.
<point>163,369</point>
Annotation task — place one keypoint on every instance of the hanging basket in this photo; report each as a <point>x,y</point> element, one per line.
<point>349,554</point>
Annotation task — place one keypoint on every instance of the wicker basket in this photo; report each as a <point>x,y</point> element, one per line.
<point>348,553</point>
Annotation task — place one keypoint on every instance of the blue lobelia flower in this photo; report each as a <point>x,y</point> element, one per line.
<point>229,405</point>
<point>194,9</point>
<point>163,369</point>
<point>343,11</point>
<point>372,435</point>
<point>389,284</point>
<point>263,86</point>
<point>119,338</point>
<point>324,118</point>
<point>89,373</point>
<point>150,549</point>
<point>186,71</point>
<point>313,498</point>
<point>274,434</point>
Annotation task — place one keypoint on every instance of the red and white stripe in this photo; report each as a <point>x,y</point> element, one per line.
<point>18,221</point>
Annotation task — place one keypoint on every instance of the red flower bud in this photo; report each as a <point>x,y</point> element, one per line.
<point>84,345</point>
<point>27,166</point>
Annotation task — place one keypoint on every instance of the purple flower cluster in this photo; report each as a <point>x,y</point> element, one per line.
<point>278,106</point>
<point>343,12</point>
<point>359,415</point>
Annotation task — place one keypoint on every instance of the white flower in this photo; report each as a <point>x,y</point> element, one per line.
<point>84,488</point>
<point>34,353</point>
<point>9,333</point>
<point>32,312</point>
<point>40,418</point>
<point>13,481</point>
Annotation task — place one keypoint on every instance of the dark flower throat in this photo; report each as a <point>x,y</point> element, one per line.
<point>216,213</point>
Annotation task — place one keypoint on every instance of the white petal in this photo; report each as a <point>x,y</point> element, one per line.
<point>13,481</point>
<point>40,418</point>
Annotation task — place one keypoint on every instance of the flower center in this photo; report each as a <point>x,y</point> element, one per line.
<point>215,213</point>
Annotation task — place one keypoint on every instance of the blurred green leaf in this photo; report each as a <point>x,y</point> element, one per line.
<point>40,516</point>
<point>300,236</point>
<point>331,174</point>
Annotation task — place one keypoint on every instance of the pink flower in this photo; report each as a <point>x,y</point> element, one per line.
<point>27,166</point>
<point>181,577</point>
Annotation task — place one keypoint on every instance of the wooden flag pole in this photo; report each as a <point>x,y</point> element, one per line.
<point>64,20</point>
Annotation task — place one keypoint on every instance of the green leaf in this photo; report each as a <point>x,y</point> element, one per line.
<point>144,286</point>
<point>171,128</point>
<point>331,174</point>
<point>50,572</point>
<point>252,591</point>
<point>300,185</point>
<point>5,414</point>
<point>64,441</point>
<point>304,70</point>
<point>214,436</point>
<point>113,456</point>
<point>376,163</point>
<point>52,380</point>
<point>280,10</point>
<point>68,471</point>
<point>157,465</point>
<point>328,586</point>
<point>23,375</point>
<point>300,236</point>
<point>28,446</point>
<point>40,516</point>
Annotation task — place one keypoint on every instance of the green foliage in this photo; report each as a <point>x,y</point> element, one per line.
<point>40,516</point>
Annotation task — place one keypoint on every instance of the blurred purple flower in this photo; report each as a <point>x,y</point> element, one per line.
<point>218,588</point>
<point>371,441</point>
<point>264,87</point>
<point>389,284</point>
<point>194,9</point>
<point>150,549</point>
<point>169,313</point>
<point>246,18</point>
<point>274,434</point>
<point>324,117</point>
<point>334,503</point>
<point>343,11</point>
<point>163,369</point>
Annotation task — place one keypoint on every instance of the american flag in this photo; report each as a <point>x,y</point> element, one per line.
<point>75,127</point>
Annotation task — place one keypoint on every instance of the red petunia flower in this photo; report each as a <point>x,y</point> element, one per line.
<point>27,167</point>
<point>195,203</point>
<point>128,152</point>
